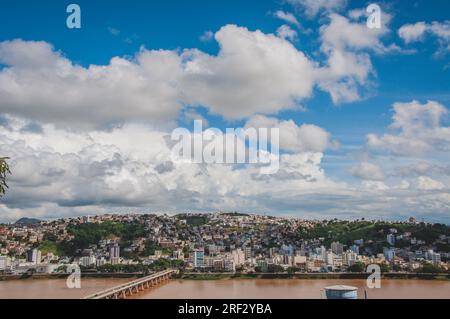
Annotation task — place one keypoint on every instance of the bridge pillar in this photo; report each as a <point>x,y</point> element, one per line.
<point>123,291</point>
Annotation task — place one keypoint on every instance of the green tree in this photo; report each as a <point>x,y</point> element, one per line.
<point>384,267</point>
<point>431,269</point>
<point>275,268</point>
<point>396,268</point>
<point>357,267</point>
<point>292,270</point>
<point>4,170</point>
<point>150,248</point>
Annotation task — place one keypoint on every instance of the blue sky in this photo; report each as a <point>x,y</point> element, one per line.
<point>400,69</point>
<point>176,24</point>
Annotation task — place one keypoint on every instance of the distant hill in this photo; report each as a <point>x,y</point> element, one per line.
<point>27,221</point>
<point>235,214</point>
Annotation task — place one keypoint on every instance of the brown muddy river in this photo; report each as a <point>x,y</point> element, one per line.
<point>227,289</point>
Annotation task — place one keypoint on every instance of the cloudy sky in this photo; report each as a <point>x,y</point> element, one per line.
<point>363,113</point>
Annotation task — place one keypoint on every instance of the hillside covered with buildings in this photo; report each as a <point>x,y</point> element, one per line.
<point>222,242</point>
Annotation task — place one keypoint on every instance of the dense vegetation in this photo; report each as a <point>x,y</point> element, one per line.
<point>347,232</point>
<point>27,221</point>
<point>431,269</point>
<point>92,233</point>
<point>49,246</point>
<point>361,267</point>
<point>4,170</point>
<point>157,265</point>
<point>193,220</point>
<point>235,214</point>
<point>271,268</point>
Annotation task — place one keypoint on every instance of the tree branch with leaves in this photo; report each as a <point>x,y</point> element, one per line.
<point>4,170</point>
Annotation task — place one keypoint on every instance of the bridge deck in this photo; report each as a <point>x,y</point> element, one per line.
<point>123,288</point>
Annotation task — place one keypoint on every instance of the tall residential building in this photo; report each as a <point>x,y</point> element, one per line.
<point>271,252</point>
<point>87,261</point>
<point>248,252</point>
<point>329,258</point>
<point>34,256</point>
<point>389,254</point>
<point>114,253</point>
<point>322,252</point>
<point>337,248</point>
<point>355,249</point>
<point>4,263</point>
<point>390,238</point>
<point>199,258</point>
<point>435,258</point>
<point>238,257</point>
<point>349,257</point>
<point>290,250</point>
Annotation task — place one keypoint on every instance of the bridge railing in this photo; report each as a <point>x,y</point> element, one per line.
<point>128,285</point>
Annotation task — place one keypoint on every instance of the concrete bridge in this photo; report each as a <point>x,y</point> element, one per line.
<point>132,287</point>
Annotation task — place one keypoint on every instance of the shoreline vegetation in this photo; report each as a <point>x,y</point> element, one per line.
<point>222,276</point>
<point>232,276</point>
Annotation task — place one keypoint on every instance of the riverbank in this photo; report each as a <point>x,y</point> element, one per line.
<point>226,276</point>
<point>64,276</point>
<point>223,276</point>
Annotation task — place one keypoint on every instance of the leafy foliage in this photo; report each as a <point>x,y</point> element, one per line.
<point>431,269</point>
<point>348,231</point>
<point>4,170</point>
<point>48,246</point>
<point>150,248</point>
<point>157,265</point>
<point>235,214</point>
<point>27,221</point>
<point>92,233</point>
<point>194,220</point>
<point>357,267</point>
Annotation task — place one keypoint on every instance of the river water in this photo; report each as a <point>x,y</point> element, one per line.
<point>54,288</point>
<point>228,289</point>
<point>294,289</point>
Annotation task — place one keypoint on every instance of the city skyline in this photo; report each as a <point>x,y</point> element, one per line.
<point>222,242</point>
<point>85,114</point>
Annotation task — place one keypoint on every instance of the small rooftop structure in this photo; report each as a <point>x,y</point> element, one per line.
<point>341,292</point>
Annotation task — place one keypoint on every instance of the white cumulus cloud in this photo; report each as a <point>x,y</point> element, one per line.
<point>303,138</point>
<point>418,31</point>
<point>287,17</point>
<point>368,171</point>
<point>286,32</point>
<point>313,7</point>
<point>419,130</point>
